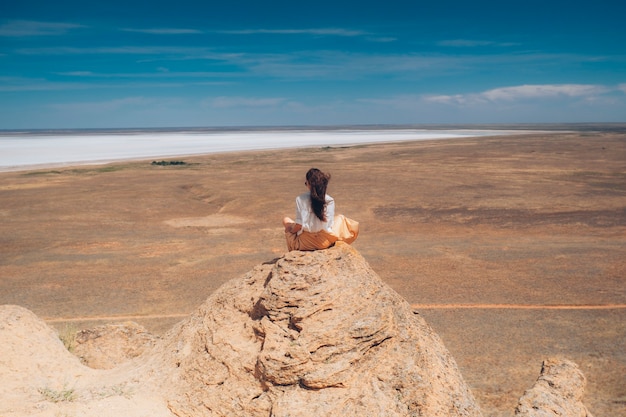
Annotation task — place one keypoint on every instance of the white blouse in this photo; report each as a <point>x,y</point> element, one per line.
<point>307,218</point>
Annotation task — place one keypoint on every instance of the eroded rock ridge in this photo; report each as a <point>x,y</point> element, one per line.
<point>313,333</point>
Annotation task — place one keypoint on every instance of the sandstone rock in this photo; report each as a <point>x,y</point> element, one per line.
<point>32,358</point>
<point>558,392</point>
<point>39,377</point>
<point>310,334</point>
<point>107,346</point>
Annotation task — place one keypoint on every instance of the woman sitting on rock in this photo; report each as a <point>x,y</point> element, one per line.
<point>316,226</point>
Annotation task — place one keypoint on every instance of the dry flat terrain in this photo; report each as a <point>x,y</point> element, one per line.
<point>512,248</point>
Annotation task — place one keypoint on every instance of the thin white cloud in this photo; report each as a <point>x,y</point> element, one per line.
<point>121,50</point>
<point>40,84</point>
<point>544,91</point>
<point>402,101</point>
<point>339,65</point>
<point>151,53</point>
<point>227,102</point>
<point>381,39</point>
<point>622,87</point>
<point>455,99</point>
<point>313,31</point>
<point>101,106</point>
<point>303,65</point>
<point>36,84</point>
<point>473,43</point>
<point>322,63</point>
<point>164,31</point>
<point>328,64</point>
<point>161,73</point>
<point>563,103</point>
<point>587,92</point>
<point>20,28</point>
<point>44,85</point>
<point>340,32</point>
<point>78,74</point>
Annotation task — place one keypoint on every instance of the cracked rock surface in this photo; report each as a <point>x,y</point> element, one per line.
<point>311,333</point>
<point>558,392</point>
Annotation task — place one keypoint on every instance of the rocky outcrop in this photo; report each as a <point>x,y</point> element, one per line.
<point>31,353</point>
<point>110,345</point>
<point>558,392</point>
<point>310,334</point>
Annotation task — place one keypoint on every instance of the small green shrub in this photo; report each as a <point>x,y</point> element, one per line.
<point>68,337</point>
<point>33,173</point>
<point>120,390</point>
<point>168,163</point>
<point>64,395</point>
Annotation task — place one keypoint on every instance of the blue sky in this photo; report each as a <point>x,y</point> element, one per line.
<point>112,64</point>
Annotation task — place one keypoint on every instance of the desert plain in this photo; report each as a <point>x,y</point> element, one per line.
<point>513,248</point>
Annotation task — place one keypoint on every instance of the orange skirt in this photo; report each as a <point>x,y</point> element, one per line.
<point>344,229</point>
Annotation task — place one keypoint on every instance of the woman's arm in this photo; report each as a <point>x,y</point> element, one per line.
<point>294,228</point>
<point>291,226</point>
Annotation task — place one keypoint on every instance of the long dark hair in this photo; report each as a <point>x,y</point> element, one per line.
<point>318,181</point>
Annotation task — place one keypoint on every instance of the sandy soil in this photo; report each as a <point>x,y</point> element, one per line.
<point>512,248</point>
